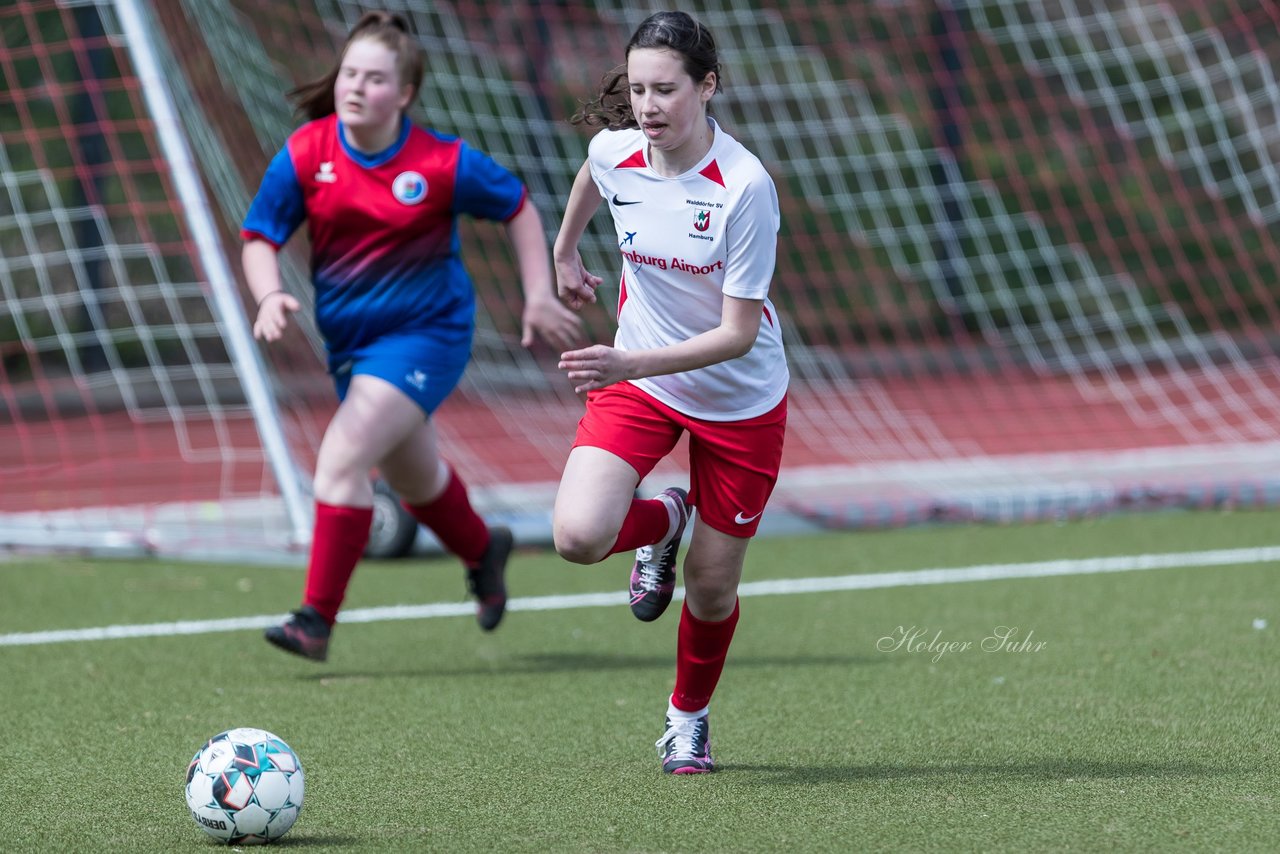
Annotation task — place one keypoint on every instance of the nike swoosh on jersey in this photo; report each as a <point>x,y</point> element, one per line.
<point>619,202</point>
<point>745,520</point>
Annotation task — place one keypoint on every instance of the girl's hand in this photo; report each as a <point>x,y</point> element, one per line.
<point>552,322</point>
<point>273,315</point>
<point>575,285</point>
<point>596,366</point>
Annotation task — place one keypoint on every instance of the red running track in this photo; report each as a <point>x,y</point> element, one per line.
<point>114,459</point>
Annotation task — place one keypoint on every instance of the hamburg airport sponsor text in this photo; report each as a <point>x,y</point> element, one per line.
<point>674,264</point>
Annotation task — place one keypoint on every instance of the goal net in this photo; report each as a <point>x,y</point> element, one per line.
<point>1027,264</point>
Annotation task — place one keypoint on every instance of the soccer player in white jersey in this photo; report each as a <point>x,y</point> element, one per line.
<point>698,348</point>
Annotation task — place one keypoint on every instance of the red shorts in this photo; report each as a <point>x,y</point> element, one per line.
<point>733,465</point>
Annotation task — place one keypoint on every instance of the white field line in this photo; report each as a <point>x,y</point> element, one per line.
<point>870,581</point>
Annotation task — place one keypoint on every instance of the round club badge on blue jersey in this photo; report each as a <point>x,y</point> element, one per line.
<point>409,188</point>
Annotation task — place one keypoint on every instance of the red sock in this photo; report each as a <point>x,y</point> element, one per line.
<point>454,521</point>
<point>340,535</point>
<point>701,648</point>
<point>647,522</point>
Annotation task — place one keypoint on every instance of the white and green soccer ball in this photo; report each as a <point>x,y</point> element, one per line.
<point>244,787</point>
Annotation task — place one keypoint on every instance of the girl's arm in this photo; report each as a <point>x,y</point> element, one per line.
<point>543,315</point>
<point>275,304</point>
<point>600,365</point>
<point>575,285</point>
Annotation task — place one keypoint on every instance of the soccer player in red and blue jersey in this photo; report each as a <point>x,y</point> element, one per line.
<point>381,197</point>
<point>698,349</point>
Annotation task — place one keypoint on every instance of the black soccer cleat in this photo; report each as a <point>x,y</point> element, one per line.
<point>487,580</point>
<point>685,747</point>
<point>653,575</point>
<point>305,633</point>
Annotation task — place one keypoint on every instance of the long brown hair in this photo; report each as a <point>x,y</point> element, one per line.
<point>674,31</point>
<point>314,100</point>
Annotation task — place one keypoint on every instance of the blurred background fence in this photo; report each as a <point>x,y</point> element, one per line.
<point>1028,262</point>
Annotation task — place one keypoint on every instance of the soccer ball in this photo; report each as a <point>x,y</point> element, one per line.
<point>244,787</point>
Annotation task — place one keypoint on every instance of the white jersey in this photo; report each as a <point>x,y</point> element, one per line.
<point>685,242</point>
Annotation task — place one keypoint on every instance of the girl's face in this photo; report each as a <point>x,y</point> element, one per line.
<point>669,105</point>
<point>368,94</point>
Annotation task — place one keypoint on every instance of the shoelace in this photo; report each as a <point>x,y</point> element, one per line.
<point>681,735</point>
<point>650,570</point>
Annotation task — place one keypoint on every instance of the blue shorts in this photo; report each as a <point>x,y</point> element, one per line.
<point>424,366</point>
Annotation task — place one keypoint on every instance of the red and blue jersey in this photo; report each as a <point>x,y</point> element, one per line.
<point>383,227</point>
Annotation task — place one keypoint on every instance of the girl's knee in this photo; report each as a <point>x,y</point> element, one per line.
<point>578,544</point>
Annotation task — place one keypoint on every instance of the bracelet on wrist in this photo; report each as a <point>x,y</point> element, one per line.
<point>268,295</point>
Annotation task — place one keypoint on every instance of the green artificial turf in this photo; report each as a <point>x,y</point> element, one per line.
<point>1138,715</point>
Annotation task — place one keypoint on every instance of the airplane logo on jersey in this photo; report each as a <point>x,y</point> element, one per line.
<point>702,221</point>
<point>409,188</point>
<point>630,238</point>
<point>325,175</point>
